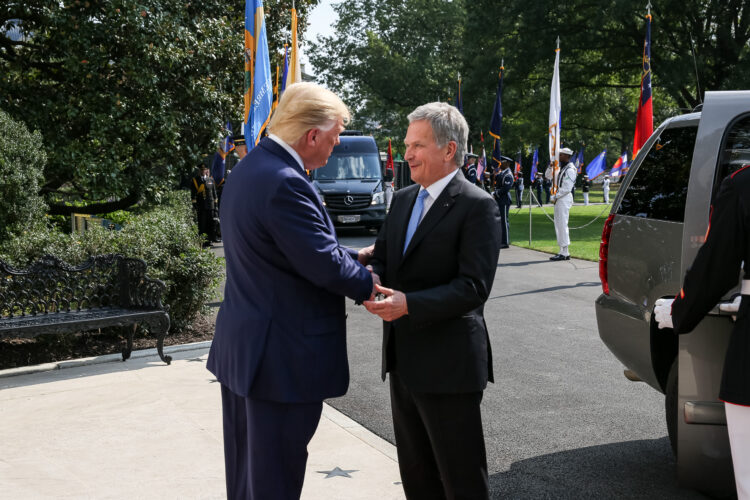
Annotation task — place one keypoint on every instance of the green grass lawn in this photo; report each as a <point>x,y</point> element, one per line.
<point>584,242</point>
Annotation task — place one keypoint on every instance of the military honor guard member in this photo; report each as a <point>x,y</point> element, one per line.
<point>563,200</point>
<point>503,185</point>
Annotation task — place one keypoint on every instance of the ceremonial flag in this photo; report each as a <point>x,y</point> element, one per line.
<point>517,169</point>
<point>295,71</point>
<point>496,122</point>
<point>276,91</point>
<point>258,87</point>
<point>226,145</point>
<point>285,73</point>
<point>389,160</point>
<point>579,163</point>
<point>534,163</point>
<point>482,164</point>
<point>459,97</point>
<point>620,165</point>
<point>596,167</point>
<point>218,165</point>
<point>644,121</point>
<point>555,117</point>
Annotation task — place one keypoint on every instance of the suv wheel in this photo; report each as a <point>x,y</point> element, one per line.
<point>670,405</point>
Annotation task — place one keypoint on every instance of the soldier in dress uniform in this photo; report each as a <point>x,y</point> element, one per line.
<point>563,200</point>
<point>537,184</point>
<point>204,197</point>
<point>519,190</point>
<point>547,184</point>
<point>503,185</point>
<point>585,187</point>
<point>470,168</point>
<point>713,273</point>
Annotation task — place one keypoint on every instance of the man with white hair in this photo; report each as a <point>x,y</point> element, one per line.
<point>280,343</point>
<point>437,255</point>
<point>563,200</point>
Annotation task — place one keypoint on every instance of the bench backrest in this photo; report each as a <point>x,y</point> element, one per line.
<point>50,285</point>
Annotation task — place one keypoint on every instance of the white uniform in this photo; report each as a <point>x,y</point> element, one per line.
<point>605,188</point>
<point>563,201</point>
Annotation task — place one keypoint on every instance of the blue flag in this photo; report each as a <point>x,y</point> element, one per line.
<point>496,122</point>
<point>597,166</point>
<point>534,164</point>
<point>258,84</point>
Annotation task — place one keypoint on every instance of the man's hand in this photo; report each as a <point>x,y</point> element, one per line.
<point>364,255</point>
<point>663,313</point>
<point>375,282</point>
<point>731,307</point>
<point>391,308</point>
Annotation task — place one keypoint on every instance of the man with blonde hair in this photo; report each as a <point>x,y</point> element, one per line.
<point>280,343</point>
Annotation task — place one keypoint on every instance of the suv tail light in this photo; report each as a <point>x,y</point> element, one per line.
<point>604,253</point>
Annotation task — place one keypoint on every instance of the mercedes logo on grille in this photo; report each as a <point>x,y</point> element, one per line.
<point>348,199</point>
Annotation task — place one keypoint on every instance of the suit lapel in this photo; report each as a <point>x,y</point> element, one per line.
<point>437,211</point>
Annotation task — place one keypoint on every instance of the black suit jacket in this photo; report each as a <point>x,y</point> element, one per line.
<point>442,345</point>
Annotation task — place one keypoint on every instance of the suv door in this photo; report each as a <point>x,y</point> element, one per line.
<point>703,455</point>
<point>644,251</point>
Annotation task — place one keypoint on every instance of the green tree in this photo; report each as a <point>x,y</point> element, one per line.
<point>21,163</point>
<point>389,56</point>
<point>127,93</point>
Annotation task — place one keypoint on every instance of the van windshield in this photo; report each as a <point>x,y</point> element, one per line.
<point>349,166</point>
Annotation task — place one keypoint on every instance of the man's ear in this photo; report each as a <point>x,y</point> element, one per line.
<point>311,136</point>
<point>450,151</point>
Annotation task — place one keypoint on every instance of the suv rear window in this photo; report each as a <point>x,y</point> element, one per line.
<point>659,188</point>
<point>735,153</point>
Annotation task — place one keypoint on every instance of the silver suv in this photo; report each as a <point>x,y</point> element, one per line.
<point>658,221</point>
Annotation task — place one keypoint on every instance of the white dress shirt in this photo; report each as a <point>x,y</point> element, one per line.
<point>278,140</point>
<point>434,191</point>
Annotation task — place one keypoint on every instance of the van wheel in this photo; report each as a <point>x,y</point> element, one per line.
<point>670,405</point>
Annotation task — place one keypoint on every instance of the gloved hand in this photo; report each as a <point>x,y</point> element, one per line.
<point>553,199</point>
<point>731,307</point>
<point>663,313</point>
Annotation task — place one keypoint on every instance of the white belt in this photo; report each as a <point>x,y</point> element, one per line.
<point>745,287</point>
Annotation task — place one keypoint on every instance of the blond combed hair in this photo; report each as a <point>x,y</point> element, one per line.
<point>305,106</point>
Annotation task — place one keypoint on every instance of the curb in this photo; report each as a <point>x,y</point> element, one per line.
<point>96,360</point>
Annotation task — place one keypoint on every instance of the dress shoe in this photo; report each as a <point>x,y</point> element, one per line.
<point>560,257</point>
<point>504,246</point>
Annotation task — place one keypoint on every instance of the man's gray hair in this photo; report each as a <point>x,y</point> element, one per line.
<point>448,124</point>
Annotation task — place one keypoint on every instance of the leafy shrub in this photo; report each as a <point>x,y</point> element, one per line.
<point>22,160</point>
<point>165,236</point>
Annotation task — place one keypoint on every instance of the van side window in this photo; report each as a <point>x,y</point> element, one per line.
<point>735,152</point>
<point>659,188</point>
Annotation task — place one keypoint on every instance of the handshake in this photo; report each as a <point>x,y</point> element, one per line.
<point>384,302</point>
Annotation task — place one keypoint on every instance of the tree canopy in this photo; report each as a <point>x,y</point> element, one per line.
<point>388,57</point>
<point>127,94</point>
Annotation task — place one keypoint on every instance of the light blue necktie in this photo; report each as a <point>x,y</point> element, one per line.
<point>416,215</point>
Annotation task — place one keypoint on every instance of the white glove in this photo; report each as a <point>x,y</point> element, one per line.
<point>663,313</point>
<point>553,198</point>
<point>731,307</point>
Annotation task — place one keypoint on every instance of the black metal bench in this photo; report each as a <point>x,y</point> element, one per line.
<point>52,297</point>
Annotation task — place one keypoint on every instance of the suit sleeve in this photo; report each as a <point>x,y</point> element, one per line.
<point>716,268</point>
<point>478,252</point>
<point>301,232</point>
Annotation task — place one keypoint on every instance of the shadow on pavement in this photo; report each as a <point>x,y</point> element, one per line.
<point>548,289</point>
<point>643,469</point>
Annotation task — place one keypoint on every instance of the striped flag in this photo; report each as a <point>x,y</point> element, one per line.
<point>258,86</point>
<point>644,121</point>
<point>620,165</point>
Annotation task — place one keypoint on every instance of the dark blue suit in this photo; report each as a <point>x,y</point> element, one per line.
<point>280,342</point>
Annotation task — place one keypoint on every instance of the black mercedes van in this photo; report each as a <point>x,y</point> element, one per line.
<point>351,183</point>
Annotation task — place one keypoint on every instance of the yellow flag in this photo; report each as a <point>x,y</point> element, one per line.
<point>295,74</point>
